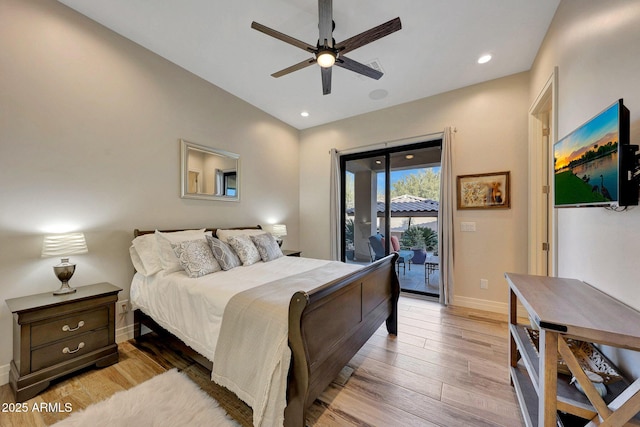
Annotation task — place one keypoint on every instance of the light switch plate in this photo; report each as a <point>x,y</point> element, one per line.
<point>467,226</point>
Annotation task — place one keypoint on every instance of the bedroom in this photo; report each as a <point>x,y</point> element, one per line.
<point>61,108</point>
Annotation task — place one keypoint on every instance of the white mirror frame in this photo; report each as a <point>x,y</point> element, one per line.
<point>217,175</point>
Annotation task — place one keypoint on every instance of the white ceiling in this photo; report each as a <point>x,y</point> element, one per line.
<point>434,52</point>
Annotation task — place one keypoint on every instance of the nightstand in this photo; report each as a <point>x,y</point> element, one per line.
<point>289,252</point>
<point>54,335</point>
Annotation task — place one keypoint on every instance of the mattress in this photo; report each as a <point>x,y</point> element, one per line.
<point>192,309</point>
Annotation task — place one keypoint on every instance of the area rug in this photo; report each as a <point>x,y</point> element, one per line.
<point>168,399</point>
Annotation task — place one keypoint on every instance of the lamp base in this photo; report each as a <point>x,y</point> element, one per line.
<point>64,271</point>
<point>64,289</point>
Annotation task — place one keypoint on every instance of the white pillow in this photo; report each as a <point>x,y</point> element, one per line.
<point>144,254</point>
<point>245,249</point>
<point>168,258</point>
<point>136,261</point>
<point>225,235</point>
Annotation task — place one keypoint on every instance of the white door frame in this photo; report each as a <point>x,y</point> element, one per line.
<point>543,119</point>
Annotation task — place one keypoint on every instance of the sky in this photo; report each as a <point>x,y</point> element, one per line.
<point>580,140</point>
<point>398,175</point>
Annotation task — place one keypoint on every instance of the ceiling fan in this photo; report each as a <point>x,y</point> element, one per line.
<point>327,52</point>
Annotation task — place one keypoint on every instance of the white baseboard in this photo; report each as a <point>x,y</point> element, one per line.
<point>4,374</point>
<point>481,304</point>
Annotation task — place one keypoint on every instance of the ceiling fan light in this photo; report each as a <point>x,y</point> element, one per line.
<point>326,59</point>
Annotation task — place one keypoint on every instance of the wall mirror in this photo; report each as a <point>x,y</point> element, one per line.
<point>208,173</point>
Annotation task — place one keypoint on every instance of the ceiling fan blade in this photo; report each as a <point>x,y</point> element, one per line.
<point>295,67</point>
<point>285,38</point>
<point>325,23</point>
<point>369,36</point>
<point>326,80</point>
<point>357,67</point>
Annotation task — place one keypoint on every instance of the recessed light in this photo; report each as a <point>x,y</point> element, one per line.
<point>409,156</point>
<point>484,59</point>
<point>305,114</point>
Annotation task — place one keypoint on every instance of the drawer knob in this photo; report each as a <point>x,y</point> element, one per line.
<point>68,328</point>
<point>67,351</point>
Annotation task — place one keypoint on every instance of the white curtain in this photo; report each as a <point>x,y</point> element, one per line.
<point>334,206</point>
<point>445,218</point>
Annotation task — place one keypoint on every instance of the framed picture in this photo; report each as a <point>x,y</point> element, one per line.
<point>484,191</point>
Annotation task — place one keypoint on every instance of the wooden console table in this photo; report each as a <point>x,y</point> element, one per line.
<point>568,308</point>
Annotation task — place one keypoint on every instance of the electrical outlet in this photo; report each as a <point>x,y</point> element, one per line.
<point>123,306</point>
<point>484,284</point>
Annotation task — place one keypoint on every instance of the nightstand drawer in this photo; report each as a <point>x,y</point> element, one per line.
<point>62,351</point>
<point>56,335</point>
<point>66,327</point>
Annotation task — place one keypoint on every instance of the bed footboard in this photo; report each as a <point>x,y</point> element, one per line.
<point>329,325</point>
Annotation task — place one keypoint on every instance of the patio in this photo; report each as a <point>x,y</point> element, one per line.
<point>412,279</point>
<point>406,211</point>
<point>415,279</point>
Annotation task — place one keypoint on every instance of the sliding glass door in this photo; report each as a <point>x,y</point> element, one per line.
<point>390,200</point>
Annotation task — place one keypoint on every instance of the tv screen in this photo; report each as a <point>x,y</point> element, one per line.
<point>590,165</point>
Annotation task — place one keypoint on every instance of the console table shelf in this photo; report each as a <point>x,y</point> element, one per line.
<point>568,308</point>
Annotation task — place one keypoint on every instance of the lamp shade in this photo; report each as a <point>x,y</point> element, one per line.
<point>279,230</point>
<point>64,245</point>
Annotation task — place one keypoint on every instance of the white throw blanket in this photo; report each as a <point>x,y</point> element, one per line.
<point>252,355</point>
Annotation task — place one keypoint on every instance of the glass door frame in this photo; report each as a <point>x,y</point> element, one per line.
<point>382,152</point>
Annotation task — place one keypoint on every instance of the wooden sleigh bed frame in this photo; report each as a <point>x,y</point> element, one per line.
<point>327,327</point>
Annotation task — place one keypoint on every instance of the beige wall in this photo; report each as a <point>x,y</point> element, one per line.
<point>596,46</point>
<point>491,136</point>
<point>90,123</point>
<point>89,137</point>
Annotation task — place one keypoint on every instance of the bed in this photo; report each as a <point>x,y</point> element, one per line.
<point>325,325</point>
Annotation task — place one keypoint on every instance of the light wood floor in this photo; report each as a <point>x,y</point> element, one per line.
<point>447,367</point>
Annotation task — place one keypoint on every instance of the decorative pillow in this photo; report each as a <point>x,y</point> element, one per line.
<point>195,257</point>
<point>395,244</point>
<point>246,250</point>
<point>223,253</point>
<point>268,247</point>
<point>225,235</point>
<point>144,255</point>
<point>167,256</point>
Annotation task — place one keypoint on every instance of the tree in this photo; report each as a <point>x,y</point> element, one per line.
<point>349,196</point>
<point>419,237</point>
<point>412,238</point>
<point>349,229</point>
<point>424,183</point>
<point>430,238</point>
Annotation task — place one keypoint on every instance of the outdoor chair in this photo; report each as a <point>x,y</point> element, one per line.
<point>376,248</point>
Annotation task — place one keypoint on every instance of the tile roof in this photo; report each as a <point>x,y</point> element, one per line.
<point>408,205</point>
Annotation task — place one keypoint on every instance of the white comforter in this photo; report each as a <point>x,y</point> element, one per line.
<point>192,309</point>
<point>252,358</point>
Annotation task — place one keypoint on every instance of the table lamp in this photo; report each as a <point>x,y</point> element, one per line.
<point>64,245</point>
<point>279,231</point>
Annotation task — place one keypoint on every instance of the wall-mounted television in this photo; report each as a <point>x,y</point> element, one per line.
<point>594,164</point>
